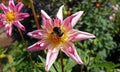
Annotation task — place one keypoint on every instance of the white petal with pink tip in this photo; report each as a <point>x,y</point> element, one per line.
<point>4,8</point>
<point>8,29</point>
<point>45,14</point>
<point>11,5</point>
<point>60,14</point>
<point>76,35</point>
<point>38,46</point>
<point>23,15</point>
<point>38,34</point>
<point>19,6</point>
<point>70,51</point>
<point>51,57</point>
<point>18,24</point>
<point>76,18</point>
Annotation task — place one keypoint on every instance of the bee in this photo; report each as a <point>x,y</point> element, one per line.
<point>57,31</point>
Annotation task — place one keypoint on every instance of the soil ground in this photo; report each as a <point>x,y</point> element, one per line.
<point>4,41</point>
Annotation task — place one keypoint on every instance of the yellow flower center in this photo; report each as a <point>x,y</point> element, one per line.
<point>57,36</point>
<point>10,16</point>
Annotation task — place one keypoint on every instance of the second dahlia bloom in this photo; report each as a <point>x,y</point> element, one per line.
<point>112,16</point>
<point>58,34</point>
<point>115,7</point>
<point>12,16</point>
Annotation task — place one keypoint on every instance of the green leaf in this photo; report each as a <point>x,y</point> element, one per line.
<point>107,65</point>
<point>68,67</point>
<point>42,59</point>
<point>52,69</point>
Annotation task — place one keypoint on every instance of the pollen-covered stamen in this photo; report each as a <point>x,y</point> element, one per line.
<point>10,16</point>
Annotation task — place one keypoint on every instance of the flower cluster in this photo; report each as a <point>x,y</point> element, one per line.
<point>116,8</point>
<point>12,16</point>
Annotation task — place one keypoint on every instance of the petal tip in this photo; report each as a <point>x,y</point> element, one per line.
<point>81,12</point>
<point>80,62</point>
<point>30,49</point>
<point>60,14</point>
<point>23,28</point>
<point>46,68</point>
<point>27,14</point>
<point>62,6</point>
<point>8,35</point>
<point>42,11</point>
<point>44,14</point>
<point>19,6</point>
<point>92,36</point>
<point>29,34</point>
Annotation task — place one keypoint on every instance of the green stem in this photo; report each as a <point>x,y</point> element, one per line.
<point>21,34</point>
<point>87,69</point>
<point>61,59</point>
<point>81,68</point>
<point>55,68</point>
<point>34,13</point>
<point>31,60</point>
<point>25,46</point>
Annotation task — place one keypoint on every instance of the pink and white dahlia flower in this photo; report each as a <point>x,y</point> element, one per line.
<point>115,7</point>
<point>12,16</point>
<point>58,34</point>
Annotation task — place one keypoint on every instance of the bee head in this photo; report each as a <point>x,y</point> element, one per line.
<point>58,31</point>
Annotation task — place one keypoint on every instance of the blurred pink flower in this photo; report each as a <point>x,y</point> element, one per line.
<point>12,16</point>
<point>115,7</point>
<point>112,16</point>
<point>58,34</point>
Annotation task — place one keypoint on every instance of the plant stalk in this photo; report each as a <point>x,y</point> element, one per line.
<point>61,59</point>
<point>25,46</point>
<point>81,68</point>
<point>31,60</point>
<point>34,13</point>
<point>21,34</point>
